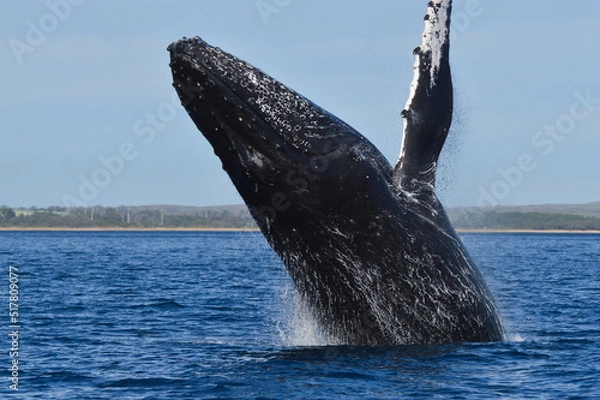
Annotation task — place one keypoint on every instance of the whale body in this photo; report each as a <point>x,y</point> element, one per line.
<point>368,246</point>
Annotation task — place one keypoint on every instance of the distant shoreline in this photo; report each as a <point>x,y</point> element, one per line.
<point>118,229</point>
<point>552,231</point>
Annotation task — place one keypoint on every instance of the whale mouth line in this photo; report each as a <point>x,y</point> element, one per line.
<point>225,133</point>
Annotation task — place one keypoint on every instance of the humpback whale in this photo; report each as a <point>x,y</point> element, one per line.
<point>368,246</point>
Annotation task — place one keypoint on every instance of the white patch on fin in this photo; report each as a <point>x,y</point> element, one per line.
<point>435,34</point>
<point>434,37</point>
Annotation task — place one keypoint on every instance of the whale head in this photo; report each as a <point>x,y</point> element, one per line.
<point>274,143</point>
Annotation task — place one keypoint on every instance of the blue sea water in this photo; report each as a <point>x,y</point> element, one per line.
<point>188,315</point>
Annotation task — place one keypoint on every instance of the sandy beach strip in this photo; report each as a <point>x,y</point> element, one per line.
<point>553,231</point>
<point>199,229</point>
<point>120,229</point>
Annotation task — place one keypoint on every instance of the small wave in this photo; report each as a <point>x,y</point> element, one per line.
<point>160,304</point>
<point>141,382</point>
<point>208,341</point>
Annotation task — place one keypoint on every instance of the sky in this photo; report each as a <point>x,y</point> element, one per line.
<point>88,114</point>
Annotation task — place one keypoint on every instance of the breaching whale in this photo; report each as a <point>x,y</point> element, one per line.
<point>368,246</point>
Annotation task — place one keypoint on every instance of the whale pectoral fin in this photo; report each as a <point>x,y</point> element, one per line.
<point>428,111</point>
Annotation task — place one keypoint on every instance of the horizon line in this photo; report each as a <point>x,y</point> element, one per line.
<point>158,205</point>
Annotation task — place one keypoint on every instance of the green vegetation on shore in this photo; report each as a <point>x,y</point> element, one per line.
<point>492,220</point>
<point>127,217</point>
<point>237,216</point>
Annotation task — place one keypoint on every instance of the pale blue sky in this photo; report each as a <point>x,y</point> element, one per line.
<point>97,84</point>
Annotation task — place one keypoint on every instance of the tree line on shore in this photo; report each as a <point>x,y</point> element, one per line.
<point>157,217</point>
<point>494,220</point>
<point>121,217</point>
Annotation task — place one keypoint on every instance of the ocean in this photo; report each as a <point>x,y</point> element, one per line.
<point>196,315</point>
